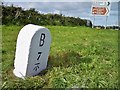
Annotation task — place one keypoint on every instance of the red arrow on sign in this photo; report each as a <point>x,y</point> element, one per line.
<point>100,10</point>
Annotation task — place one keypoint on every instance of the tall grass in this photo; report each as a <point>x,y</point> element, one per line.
<point>79,57</point>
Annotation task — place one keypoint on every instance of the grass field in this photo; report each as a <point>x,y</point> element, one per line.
<point>79,57</point>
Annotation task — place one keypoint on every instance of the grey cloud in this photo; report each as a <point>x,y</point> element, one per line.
<point>62,6</point>
<point>50,6</point>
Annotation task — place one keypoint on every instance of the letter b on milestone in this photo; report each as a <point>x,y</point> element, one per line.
<point>42,39</point>
<point>32,50</point>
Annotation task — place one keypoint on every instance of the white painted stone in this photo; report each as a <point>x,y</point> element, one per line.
<point>32,50</point>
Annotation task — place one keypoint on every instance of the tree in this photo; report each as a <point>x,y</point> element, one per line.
<point>18,16</point>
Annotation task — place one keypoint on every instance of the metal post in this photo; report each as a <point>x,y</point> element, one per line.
<point>106,22</point>
<point>93,22</point>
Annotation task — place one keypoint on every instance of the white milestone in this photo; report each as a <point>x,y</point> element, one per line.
<point>32,50</point>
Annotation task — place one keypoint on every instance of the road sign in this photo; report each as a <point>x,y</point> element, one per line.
<point>101,7</point>
<point>102,3</point>
<point>100,10</point>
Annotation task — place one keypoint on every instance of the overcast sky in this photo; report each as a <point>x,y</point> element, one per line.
<point>74,9</point>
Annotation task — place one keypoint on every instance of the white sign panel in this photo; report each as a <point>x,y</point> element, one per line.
<point>32,50</point>
<point>102,3</point>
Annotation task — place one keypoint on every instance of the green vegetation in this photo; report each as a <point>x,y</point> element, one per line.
<point>12,15</point>
<point>79,57</point>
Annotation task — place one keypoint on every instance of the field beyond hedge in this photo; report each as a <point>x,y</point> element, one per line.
<point>80,57</point>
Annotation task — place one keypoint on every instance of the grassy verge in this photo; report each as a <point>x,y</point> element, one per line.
<point>79,57</point>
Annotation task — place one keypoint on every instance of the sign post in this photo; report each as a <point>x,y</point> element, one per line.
<point>106,22</point>
<point>93,22</point>
<point>32,50</point>
<point>101,8</point>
